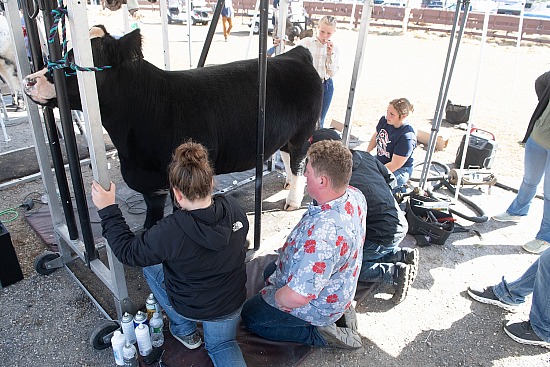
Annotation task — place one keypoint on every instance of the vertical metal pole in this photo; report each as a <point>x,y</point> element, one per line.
<point>163,19</point>
<point>474,98</point>
<point>210,34</point>
<point>357,66</point>
<point>444,89</point>
<point>281,26</point>
<point>114,277</point>
<point>70,140</point>
<point>51,128</point>
<point>262,77</point>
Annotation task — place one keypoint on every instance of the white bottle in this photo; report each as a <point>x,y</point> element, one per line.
<point>143,340</point>
<point>117,342</point>
<point>129,355</point>
<point>155,327</point>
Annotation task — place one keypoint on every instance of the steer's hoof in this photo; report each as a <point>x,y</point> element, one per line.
<point>286,186</point>
<point>290,207</point>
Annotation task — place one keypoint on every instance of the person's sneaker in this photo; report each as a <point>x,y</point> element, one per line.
<point>505,217</point>
<point>410,256</point>
<point>536,246</point>
<point>523,333</point>
<point>340,337</point>
<point>191,341</point>
<point>487,296</point>
<point>402,282</point>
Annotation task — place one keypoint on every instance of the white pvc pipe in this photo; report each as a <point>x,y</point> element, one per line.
<point>472,109</point>
<point>518,45</point>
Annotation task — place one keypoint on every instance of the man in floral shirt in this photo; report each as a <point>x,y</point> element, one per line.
<point>308,296</point>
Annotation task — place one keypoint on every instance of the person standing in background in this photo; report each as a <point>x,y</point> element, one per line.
<point>227,18</point>
<point>536,164</point>
<point>325,59</point>
<point>509,295</point>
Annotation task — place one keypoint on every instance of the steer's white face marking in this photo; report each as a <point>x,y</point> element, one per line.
<point>38,88</point>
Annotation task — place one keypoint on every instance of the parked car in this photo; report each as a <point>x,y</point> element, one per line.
<point>511,7</point>
<point>400,4</point>
<point>200,13</point>
<point>539,10</point>
<point>435,5</point>
<point>255,22</point>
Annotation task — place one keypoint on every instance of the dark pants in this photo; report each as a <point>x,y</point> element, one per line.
<point>274,324</point>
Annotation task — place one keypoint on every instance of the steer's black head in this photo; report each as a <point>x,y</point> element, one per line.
<point>108,52</point>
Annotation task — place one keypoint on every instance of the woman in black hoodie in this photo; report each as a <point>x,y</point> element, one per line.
<point>193,259</point>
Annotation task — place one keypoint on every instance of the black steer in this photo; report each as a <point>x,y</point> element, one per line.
<point>148,112</point>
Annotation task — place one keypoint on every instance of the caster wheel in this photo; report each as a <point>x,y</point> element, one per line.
<point>97,339</point>
<point>41,261</point>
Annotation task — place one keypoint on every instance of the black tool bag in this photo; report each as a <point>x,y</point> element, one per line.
<point>427,224</point>
<point>457,114</point>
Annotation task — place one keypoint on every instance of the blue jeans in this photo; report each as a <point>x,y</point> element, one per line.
<point>328,91</point>
<point>273,324</point>
<point>536,164</point>
<point>402,175</point>
<point>378,262</point>
<point>535,280</point>
<point>219,334</point>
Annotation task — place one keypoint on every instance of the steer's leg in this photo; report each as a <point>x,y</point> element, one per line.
<point>294,167</point>
<point>285,157</point>
<point>296,194</point>
<point>155,208</point>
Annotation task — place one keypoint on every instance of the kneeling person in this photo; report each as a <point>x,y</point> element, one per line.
<point>383,260</point>
<point>307,299</point>
<point>193,258</point>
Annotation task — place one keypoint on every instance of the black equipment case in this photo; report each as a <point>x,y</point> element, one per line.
<point>481,149</point>
<point>10,271</point>
<point>424,231</point>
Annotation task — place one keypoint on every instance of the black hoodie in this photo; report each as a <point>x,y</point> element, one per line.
<point>202,251</point>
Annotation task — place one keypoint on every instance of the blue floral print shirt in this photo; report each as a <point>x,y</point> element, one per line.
<point>321,258</point>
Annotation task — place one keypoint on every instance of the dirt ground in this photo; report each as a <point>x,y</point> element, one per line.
<point>438,324</point>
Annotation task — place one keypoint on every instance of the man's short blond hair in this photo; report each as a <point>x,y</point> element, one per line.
<point>333,159</point>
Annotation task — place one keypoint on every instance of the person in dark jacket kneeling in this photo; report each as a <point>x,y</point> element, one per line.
<point>193,259</point>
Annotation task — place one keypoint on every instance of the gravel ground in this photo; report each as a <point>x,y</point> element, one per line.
<point>48,319</point>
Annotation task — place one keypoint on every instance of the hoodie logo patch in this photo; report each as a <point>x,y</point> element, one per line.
<point>237,225</point>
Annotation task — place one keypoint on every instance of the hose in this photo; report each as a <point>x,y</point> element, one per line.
<point>509,188</point>
<point>481,218</point>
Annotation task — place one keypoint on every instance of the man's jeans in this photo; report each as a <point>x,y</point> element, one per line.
<point>273,324</point>
<point>219,334</point>
<point>328,90</point>
<point>536,163</point>
<point>535,280</point>
<point>378,262</point>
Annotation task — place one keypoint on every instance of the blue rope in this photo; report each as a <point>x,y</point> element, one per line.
<point>59,16</point>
